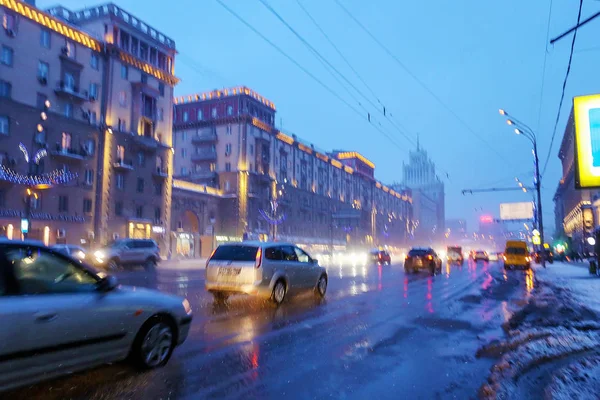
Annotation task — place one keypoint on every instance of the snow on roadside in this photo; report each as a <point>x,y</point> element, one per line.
<point>556,323</point>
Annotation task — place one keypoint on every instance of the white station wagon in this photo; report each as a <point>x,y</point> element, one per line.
<point>58,316</point>
<point>269,270</point>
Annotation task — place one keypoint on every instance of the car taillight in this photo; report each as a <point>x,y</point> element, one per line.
<point>430,257</point>
<point>258,260</point>
<point>211,256</point>
<point>407,257</point>
<point>380,256</point>
<point>504,257</point>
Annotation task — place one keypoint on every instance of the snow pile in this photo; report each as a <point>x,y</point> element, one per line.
<point>573,381</point>
<point>551,330</point>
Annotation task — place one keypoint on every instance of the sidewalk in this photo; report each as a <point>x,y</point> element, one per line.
<point>182,264</point>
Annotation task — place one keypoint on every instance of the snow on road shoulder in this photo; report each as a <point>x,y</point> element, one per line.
<point>557,327</point>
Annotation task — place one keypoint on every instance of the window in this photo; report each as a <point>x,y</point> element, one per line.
<point>63,204</point>
<point>274,253</point>
<point>123,98</point>
<point>40,101</point>
<point>144,78</point>
<point>139,211</point>
<point>140,185</point>
<point>122,125</point>
<point>228,167</point>
<point>161,114</point>
<point>158,189</point>
<point>289,254</point>
<point>8,23</point>
<point>94,61</point>
<point>227,185</point>
<point>5,89</point>
<point>4,125</point>
<point>93,118</point>
<point>214,112</point>
<point>183,153</point>
<point>228,149</point>
<point>43,69</point>
<point>118,209</point>
<point>141,159</point>
<point>157,214</point>
<point>229,110</point>
<point>229,129</point>
<point>90,147</point>
<point>213,167</point>
<point>301,255</point>
<point>124,72</point>
<point>93,92</point>
<point>161,89</point>
<point>120,179</point>
<point>199,115</point>
<point>6,57</point>
<point>69,81</point>
<point>251,149</point>
<point>89,176</point>
<point>183,171</point>
<point>45,38</point>
<point>87,206</point>
<point>70,49</point>
<point>68,110</point>
<point>40,272</point>
<point>184,136</point>
<point>65,141</point>
<point>185,116</point>
<point>120,153</point>
<point>235,253</point>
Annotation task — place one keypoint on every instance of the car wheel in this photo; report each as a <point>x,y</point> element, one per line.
<point>112,265</point>
<point>279,291</point>
<point>153,344</point>
<point>321,288</point>
<point>220,297</point>
<point>150,264</point>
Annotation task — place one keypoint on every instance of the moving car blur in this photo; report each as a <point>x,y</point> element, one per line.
<point>480,255</point>
<point>422,259</point>
<point>516,255</point>
<point>380,257</point>
<point>454,255</point>
<point>71,250</point>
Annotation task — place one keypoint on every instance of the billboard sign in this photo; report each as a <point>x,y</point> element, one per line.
<point>516,211</point>
<point>586,114</point>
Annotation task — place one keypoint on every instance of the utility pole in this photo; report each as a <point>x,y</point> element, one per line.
<point>538,189</point>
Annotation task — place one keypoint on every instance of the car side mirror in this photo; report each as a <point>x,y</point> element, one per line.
<point>314,261</point>
<point>107,284</point>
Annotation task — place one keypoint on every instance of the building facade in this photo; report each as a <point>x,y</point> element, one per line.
<point>420,177</point>
<point>276,185</point>
<point>109,80</point>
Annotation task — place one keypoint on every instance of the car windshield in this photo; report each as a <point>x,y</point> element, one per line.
<point>235,253</point>
<point>419,252</point>
<point>516,251</point>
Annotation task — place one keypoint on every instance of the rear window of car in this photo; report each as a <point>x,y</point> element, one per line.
<point>516,250</point>
<point>419,252</point>
<point>235,253</point>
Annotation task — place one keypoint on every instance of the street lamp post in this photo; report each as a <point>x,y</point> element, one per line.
<point>524,130</point>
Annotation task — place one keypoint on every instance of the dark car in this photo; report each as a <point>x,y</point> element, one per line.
<point>481,255</point>
<point>380,257</point>
<point>420,259</point>
<point>547,254</point>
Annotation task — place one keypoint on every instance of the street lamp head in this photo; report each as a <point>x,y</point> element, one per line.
<point>502,112</point>
<point>518,131</point>
<point>40,128</point>
<point>43,116</point>
<point>47,104</point>
<point>510,122</point>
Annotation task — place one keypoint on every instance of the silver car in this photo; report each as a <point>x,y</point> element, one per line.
<point>263,269</point>
<point>72,250</point>
<point>59,316</point>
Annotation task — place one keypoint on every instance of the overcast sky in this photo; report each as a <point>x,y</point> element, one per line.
<point>472,58</point>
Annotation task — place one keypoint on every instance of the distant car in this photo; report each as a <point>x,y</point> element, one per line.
<point>59,316</point>
<point>422,258</point>
<point>494,257</point>
<point>71,250</point>
<point>380,257</point>
<point>127,253</point>
<point>454,255</point>
<point>516,255</point>
<point>268,270</point>
<point>481,255</point>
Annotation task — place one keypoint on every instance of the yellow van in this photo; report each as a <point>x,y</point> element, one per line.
<point>516,255</point>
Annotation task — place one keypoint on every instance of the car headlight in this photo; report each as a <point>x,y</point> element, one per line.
<point>186,306</point>
<point>80,254</point>
<point>99,254</point>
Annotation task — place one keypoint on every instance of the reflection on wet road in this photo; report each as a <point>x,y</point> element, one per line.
<point>378,330</point>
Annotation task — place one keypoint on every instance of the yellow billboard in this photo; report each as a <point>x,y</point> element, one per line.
<point>586,113</point>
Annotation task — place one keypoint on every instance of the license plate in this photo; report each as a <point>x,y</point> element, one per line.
<point>229,271</point>
<point>418,262</point>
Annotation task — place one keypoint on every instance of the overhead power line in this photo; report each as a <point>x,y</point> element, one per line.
<point>419,81</point>
<point>544,66</point>
<point>564,86</point>
<point>303,69</point>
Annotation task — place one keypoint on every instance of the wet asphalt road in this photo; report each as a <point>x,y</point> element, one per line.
<point>378,332</point>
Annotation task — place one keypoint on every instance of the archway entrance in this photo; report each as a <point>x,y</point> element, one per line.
<point>187,232</point>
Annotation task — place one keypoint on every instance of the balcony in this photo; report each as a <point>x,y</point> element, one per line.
<point>70,92</point>
<point>210,155</point>
<point>204,138</point>
<point>161,173</point>
<point>123,165</point>
<point>202,175</point>
<point>147,142</point>
<point>68,153</point>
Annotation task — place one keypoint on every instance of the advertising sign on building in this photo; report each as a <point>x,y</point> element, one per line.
<point>586,114</point>
<point>516,211</point>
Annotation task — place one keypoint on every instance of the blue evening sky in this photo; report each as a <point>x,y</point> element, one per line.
<point>476,56</point>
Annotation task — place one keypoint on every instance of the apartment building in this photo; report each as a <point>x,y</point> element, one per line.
<point>109,79</point>
<point>277,185</point>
